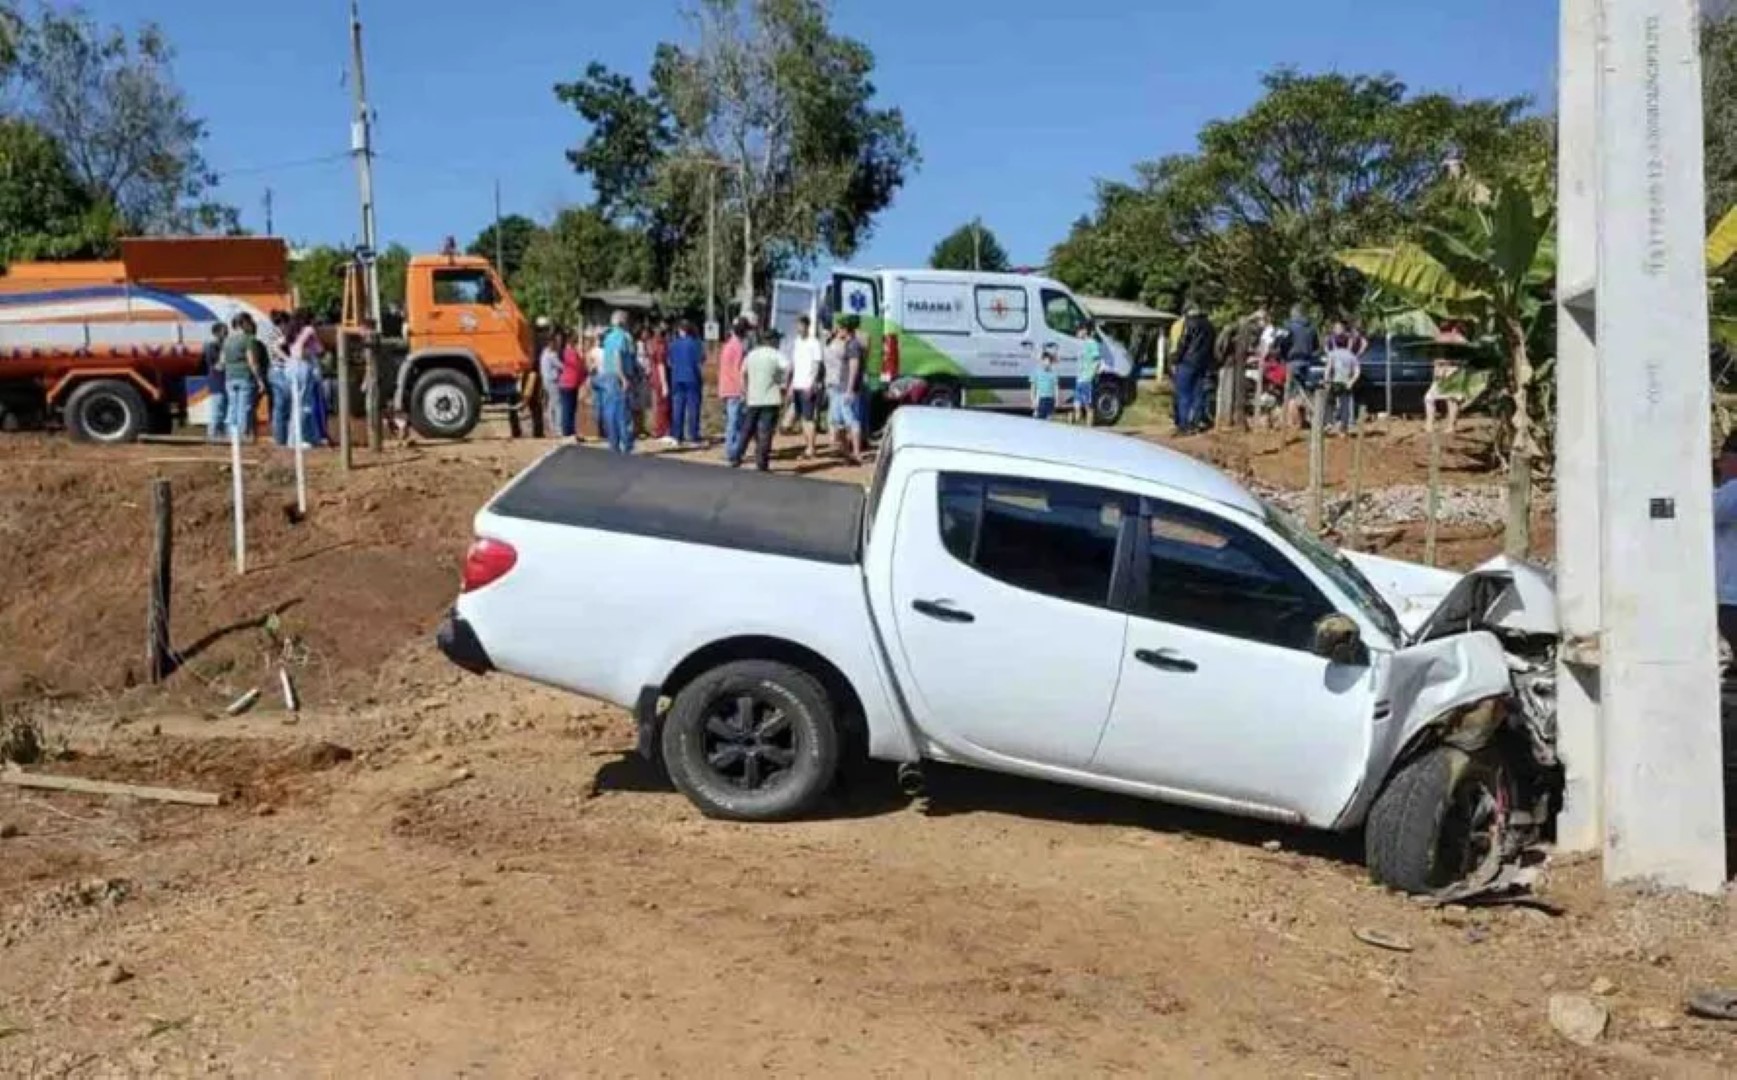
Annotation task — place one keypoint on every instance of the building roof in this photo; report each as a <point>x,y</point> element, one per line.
<point>1109,309</point>
<point>1062,444</point>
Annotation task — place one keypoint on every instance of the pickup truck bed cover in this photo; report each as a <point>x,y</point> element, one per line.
<point>798,518</point>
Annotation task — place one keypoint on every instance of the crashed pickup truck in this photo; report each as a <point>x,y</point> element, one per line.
<point>1031,599</point>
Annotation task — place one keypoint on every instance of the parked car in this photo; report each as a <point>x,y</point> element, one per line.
<point>1032,599</point>
<point>1412,371</point>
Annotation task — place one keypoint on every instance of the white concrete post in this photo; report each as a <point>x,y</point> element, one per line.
<point>1664,808</point>
<point>1579,828</point>
<point>238,492</point>
<point>296,442</point>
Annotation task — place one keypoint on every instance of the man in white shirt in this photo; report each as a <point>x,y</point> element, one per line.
<point>1725,540</point>
<point>807,359</point>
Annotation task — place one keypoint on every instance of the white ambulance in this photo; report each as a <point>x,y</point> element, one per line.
<point>962,338</point>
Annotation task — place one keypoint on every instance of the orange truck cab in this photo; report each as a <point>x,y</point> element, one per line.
<point>113,349</point>
<point>466,343</point>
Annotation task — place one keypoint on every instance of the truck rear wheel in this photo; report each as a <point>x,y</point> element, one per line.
<point>105,411</point>
<point>752,740</point>
<point>445,404</point>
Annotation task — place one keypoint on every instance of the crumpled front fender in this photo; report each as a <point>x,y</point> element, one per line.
<point>1427,685</point>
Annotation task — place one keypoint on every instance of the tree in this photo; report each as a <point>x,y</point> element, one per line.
<point>111,102</point>
<point>516,234</point>
<point>317,277</point>
<point>772,107</point>
<point>969,247</point>
<point>45,213</point>
<point>393,269</point>
<point>1320,163</point>
<point>579,252</point>
<point>1494,267</point>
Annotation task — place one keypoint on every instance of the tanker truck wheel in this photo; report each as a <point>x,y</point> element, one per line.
<point>106,411</point>
<point>445,405</point>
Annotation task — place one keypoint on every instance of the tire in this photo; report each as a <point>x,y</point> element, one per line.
<point>771,761</point>
<point>1424,832</point>
<point>106,411</point>
<point>945,395</point>
<point>445,404</point>
<point>1107,401</point>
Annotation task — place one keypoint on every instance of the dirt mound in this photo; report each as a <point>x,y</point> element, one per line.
<point>373,565</point>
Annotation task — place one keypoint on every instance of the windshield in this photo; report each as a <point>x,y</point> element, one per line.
<point>1339,570</point>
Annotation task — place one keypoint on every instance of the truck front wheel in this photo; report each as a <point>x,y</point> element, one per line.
<point>1438,819</point>
<point>752,740</point>
<point>445,404</point>
<point>105,411</point>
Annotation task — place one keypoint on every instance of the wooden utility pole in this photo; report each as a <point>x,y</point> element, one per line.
<point>500,241</point>
<point>1317,458</point>
<point>1432,510</point>
<point>345,452</point>
<point>158,653</point>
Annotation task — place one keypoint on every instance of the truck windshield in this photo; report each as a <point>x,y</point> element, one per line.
<point>1339,570</point>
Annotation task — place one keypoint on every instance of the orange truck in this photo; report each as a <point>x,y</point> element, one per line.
<point>465,344</point>
<point>112,350</point>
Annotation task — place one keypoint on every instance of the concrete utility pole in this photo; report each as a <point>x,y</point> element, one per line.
<point>362,146</point>
<point>269,230</point>
<point>1636,541</point>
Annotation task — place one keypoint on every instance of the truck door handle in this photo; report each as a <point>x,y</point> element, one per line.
<point>1165,660</point>
<point>942,610</point>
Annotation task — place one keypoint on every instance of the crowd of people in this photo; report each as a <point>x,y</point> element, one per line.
<point>652,385</point>
<point>289,369</point>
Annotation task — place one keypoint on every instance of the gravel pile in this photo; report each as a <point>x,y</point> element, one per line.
<point>1461,505</point>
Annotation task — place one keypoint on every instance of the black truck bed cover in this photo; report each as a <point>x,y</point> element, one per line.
<point>660,497</point>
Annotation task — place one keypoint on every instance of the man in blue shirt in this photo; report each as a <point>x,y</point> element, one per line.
<point>687,361</point>
<point>615,383</point>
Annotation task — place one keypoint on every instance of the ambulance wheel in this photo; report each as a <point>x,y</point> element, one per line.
<point>105,411</point>
<point>1107,401</point>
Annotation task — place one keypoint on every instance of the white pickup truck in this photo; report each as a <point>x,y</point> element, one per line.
<point>1033,599</point>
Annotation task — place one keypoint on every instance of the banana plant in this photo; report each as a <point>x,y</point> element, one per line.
<point>1491,266</point>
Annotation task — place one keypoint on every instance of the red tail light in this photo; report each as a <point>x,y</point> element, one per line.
<point>889,357</point>
<point>487,562</point>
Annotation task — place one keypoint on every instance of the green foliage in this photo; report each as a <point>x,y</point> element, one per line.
<point>45,213</point>
<point>969,247</point>
<point>772,107</point>
<point>516,233</point>
<point>631,132</point>
<point>318,280</point>
<point>393,268</point>
<point>109,99</point>
<point>580,252</point>
<point>1719,98</point>
<point>1259,213</point>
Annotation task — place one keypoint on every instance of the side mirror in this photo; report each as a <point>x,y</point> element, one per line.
<point>1338,641</point>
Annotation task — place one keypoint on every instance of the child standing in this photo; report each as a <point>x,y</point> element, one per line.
<point>1085,383</point>
<point>1043,385</point>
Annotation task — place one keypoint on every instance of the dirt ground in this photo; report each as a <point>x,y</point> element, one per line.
<point>432,874</point>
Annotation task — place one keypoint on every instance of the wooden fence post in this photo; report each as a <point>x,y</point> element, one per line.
<point>1317,458</point>
<point>1356,484</point>
<point>345,454</point>
<point>158,652</point>
<point>371,360</point>
<point>1433,511</point>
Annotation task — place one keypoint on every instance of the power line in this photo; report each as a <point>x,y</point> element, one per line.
<point>302,163</point>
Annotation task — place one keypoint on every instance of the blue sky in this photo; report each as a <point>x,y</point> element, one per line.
<point>1018,105</point>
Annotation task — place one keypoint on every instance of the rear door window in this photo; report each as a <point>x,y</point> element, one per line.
<point>1061,540</point>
